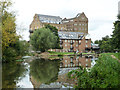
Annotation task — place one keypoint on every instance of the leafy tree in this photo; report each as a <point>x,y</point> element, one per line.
<point>21,47</point>
<point>96,42</point>
<point>11,46</point>
<point>8,25</point>
<point>105,44</point>
<point>43,39</point>
<point>55,31</point>
<point>116,35</point>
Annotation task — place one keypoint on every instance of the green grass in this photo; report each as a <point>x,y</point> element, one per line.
<point>87,53</point>
<point>65,53</point>
<point>60,53</point>
<point>117,55</point>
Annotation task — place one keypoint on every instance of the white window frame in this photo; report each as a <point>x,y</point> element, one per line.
<point>65,45</point>
<point>65,40</point>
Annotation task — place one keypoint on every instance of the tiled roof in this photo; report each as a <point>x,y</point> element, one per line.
<point>49,18</point>
<point>70,35</point>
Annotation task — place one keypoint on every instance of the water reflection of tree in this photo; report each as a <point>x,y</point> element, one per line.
<point>11,74</point>
<point>44,71</point>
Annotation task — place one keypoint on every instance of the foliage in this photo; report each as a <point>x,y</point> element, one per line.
<point>116,35</point>
<point>8,25</point>
<point>22,47</point>
<point>43,39</point>
<point>55,31</point>
<point>105,44</point>
<point>105,74</point>
<point>45,71</point>
<point>9,54</point>
<point>11,46</point>
<point>110,44</point>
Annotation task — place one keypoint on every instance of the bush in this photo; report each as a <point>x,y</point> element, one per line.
<point>20,48</point>
<point>105,74</point>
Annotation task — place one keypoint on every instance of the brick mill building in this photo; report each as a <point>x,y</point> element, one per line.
<point>72,31</point>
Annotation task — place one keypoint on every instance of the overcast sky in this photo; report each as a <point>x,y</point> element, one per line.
<point>101,13</point>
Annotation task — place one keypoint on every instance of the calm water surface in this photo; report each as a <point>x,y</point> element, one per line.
<point>43,73</point>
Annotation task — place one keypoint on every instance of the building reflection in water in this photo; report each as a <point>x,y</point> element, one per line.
<point>75,61</point>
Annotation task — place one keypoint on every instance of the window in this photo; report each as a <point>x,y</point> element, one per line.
<point>71,64</point>
<point>76,45</point>
<point>85,28</point>
<point>68,65</point>
<point>82,28</point>
<point>86,60</point>
<point>68,40</point>
<point>86,65</point>
<point>66,61</point>
<point>79,28</point>
<point>83,24</point>
<point>66,45</point>
<point>80,24</point>
<point>75,28</point>
<point>86,41</point>
<point>86,46</point>
<point>65,40</point>
<point>75,24</point>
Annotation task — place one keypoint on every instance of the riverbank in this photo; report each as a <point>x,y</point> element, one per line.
<point>105,74</point>
<point>68,53</point>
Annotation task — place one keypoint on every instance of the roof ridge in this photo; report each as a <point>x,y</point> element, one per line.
<point>48,15</point>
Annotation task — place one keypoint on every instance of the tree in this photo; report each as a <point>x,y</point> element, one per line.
<point>11,46</point>
<point>105,44</point>
<point>96,42</point>
<point>116,35</point>
<point>55,31</point>
<point>43,39</point>
<point>8,25</point>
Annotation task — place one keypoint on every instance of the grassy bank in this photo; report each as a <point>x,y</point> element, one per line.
<point>66,53</point>
<point>105,74</point>
<point>117,55</point>
<point>60,53</point>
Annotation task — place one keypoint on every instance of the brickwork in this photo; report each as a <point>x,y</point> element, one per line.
<point>75,45</point>
<point>76,24</point>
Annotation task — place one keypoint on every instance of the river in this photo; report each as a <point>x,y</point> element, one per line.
<point>43,73</point>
